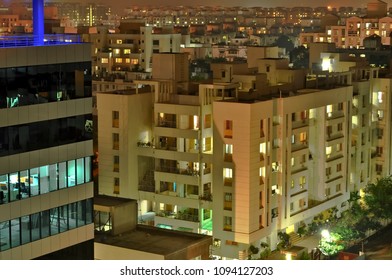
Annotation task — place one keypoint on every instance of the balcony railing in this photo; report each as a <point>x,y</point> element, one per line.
<point>31,40</point>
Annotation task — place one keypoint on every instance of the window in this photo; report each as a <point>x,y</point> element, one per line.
<point>228,201</point>
<point>380,97</point>
<point>227,223</point>
<point>340,126</point>
<point>260,200</point>
<point>328,171</point>
<point>380,115</point>
<point>207,121</point>
<point>134,61</point>
<point>228,152</point>
<point>116,141</point>
<point>116,164</point>
<point>228,176</point>
<point>329,131</point>
<point>118,41</point>
<point>223,74</point>
<point>338,188</point>
<point>340,106</point>
<point>378,169</point>
<point>327,192</point>
<point>338,167</point>
<point>261,175</point>
<point>380,133</point>
<point>274,189</point>
<point>228,133</point>
<point>292,206</point>
<point>379,151</point>
<point>260,221</point>
<point>116,187</point>
<point>261,129</point>
<point>302,181</point>
<point>292,184</point>
<point>275,166</point>
<point>232,243</point>
<point>303,137</point>
<point>104,60</point>
<point>118,60</point>
<point>115,119</point>
<point>127,51</point>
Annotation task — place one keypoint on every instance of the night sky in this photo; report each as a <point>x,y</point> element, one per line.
<point>119,5</point>
<point>266,3</point>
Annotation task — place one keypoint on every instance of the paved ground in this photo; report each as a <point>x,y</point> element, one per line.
<point>376,247</point>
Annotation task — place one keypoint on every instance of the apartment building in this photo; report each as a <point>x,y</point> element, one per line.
<point>46,186</point>
<point>159,146</point>
<point>131,49</point>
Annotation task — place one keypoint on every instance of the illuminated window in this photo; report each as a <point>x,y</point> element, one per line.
<point>228,152</point>
<point>116,51</point>
<point>274,189</point>
<point>380,96</point>
<point>127,51</point>
<point>228,176</point>
<point>119,60</point>
<point>228,132</point>
<point>134,61</point>
<point>104,60</point>
<point>118,41</point>
<point>127,60</point>
<point>227,223</point>
<point>275,166</point>
<point>302,181</point>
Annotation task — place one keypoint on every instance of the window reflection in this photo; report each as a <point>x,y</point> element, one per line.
<point>39,225</point>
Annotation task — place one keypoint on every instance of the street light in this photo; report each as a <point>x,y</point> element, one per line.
<point>326,235</point>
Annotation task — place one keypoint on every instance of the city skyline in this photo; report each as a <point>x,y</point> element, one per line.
<point>118,4</point>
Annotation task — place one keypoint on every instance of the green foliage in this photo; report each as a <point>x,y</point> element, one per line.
<point>331,246</point>
<point>254,250</point>
<point>299,56</point>
<point>304,256</point>
<point>378,198</point>
<point>284,240</point>
<point>265,254</point>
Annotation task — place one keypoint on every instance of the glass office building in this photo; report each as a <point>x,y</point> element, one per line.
<point>46,185</point>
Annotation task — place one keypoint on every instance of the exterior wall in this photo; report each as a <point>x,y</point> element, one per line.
<point>134,126</point>
<point>108,252</point>
<point>278,172</point>
<point>18,212</point>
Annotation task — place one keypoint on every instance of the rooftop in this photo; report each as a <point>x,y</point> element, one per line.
<point>27,40</point>
<point>153,240</point>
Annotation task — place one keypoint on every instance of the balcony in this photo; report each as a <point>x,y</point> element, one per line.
<point>300,123</point>
<point>30,40</point>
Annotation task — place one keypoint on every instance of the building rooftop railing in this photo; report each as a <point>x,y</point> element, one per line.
<point>31,40</point>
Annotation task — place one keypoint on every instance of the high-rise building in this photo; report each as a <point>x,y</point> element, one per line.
<point>46,149</point>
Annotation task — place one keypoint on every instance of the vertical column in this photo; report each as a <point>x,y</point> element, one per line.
<point>38,21</point>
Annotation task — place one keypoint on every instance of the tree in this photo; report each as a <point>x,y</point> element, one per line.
<point>378,198</point>
<point>285,42</point>
<point>299,56</point>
